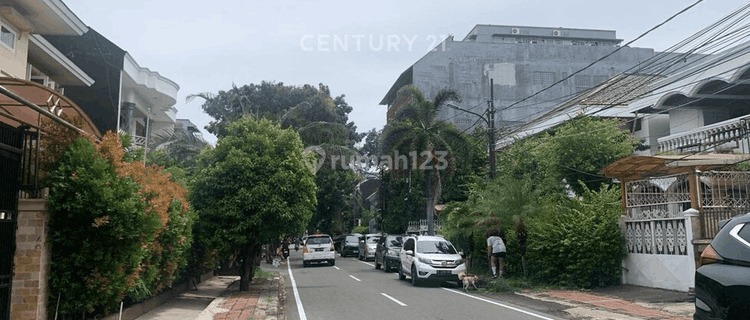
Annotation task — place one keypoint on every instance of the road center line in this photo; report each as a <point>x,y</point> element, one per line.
<point>393,299</point>
<point>367,263</point>
<point>300,309</point>
<point>498,304</point>
<point>355,278</point>
<point>337,268</point>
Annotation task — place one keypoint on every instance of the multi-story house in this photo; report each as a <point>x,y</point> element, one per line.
<point>142,99</point>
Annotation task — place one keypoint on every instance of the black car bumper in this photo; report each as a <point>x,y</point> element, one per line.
<point>349,251</point>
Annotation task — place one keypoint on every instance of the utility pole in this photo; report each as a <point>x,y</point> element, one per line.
<point>491,125</point>
<point>490,120</point>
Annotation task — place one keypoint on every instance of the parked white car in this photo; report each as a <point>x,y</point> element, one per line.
<point>318,249</point>
<point>429,258</point>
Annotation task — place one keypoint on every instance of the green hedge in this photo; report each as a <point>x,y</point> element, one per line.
<point>578,243</point>
<point>98,227</point>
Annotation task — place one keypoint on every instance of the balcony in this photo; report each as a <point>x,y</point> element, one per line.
<point>420,226</point>
<point>726,135</point>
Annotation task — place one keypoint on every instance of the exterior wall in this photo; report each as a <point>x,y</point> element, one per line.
<point>653,127</point>
<point>682,120</point>
<point>31,263</point>
<point>13,61</point>
<point>101,100</point>
<point>519,70</point>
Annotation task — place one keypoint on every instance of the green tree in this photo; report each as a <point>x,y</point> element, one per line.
<point>417,131</point>
<point>320,120</point>
<point>255,187</point>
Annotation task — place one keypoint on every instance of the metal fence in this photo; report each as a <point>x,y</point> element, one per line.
<point>723,195</point>
<point>11,143</point>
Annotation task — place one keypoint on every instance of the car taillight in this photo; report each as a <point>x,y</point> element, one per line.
<point>709,256</point>
<point>304,249</point>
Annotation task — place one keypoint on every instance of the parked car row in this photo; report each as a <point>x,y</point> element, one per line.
<point>421,258</point>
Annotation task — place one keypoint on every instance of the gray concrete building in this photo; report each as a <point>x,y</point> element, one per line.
<point>521,61</point>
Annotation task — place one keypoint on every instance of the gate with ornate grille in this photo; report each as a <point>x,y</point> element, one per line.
<point>11,144</point>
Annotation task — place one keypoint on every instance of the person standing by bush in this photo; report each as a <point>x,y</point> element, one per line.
<point>496,252</point>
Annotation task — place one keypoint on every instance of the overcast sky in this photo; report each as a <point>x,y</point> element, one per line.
<point>208,45</point>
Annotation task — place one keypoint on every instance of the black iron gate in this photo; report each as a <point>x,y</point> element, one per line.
<point>11,144</point>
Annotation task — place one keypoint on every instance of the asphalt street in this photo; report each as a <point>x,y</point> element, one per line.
<point>354,289</point>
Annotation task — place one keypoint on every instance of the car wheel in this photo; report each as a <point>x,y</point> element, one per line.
<point>414,277</point>
<point>333,262</point>
<point>401,275</point>
<point>377,265</point>
<point>386,267</point>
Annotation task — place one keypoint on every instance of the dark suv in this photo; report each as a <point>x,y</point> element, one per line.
<point>350,245</point>
<point>386,253</point>
<point>722,282</point>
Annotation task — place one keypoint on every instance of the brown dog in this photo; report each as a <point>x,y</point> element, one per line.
<point>468,280</point>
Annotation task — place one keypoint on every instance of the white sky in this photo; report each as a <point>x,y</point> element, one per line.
<point>208,45</point>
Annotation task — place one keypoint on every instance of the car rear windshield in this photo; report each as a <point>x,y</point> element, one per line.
<point>394,241</point>
<point>354,239</point>
<point>320,240</point>
<point>433,247</point>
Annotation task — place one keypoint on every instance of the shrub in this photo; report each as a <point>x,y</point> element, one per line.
<point>361,229</point>
<point>578,243</point>
<point>99,230</point>
<point>118,229</point>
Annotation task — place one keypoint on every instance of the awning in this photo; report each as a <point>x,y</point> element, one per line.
<point>27,100</point>
<point>637,167</point>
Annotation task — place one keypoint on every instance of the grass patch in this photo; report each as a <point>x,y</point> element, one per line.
<point>258,273</point>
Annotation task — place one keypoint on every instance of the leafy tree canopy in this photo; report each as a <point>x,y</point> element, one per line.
<point>255,187</point>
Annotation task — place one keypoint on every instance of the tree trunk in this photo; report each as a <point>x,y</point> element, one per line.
<point>250,260</point>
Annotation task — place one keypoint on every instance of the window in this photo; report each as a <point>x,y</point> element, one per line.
<point>7,37</point>
<point>435,247</point>
<point>583,80</point>
<point>409,245</point>
<point>542,78</point>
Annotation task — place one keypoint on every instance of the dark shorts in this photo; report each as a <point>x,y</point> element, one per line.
<point>499,255</point>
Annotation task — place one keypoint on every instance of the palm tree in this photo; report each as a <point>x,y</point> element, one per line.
<point>416,130</point>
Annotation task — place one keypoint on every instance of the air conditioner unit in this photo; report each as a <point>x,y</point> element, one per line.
<point>556,33</point>
<point>515,31</point>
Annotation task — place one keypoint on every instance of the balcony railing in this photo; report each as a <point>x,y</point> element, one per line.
<point>139,141</point>
<point>421,226</point>
<point>708,138</point>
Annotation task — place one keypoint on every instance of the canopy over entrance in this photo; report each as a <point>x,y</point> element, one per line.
<point>17,107</point>
<point>639,167</point>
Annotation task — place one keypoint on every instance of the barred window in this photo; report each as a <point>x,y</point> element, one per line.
<point>542,78</point>
<point>583,80</point>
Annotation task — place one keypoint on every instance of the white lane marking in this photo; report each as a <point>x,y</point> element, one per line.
<point>367,263</point>
<point>355,278</point>
<point>498,304</point>
<point>337,268</point>
<point>394,300</point>
<point>300,309</point>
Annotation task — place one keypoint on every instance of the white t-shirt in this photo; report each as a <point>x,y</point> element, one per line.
<point>496,243</point>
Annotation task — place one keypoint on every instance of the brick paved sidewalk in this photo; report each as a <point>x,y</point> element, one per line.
<point>616,305</point>
<point>263,301</point>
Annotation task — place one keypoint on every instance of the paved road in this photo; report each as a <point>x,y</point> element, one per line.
<point>353,289</point>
